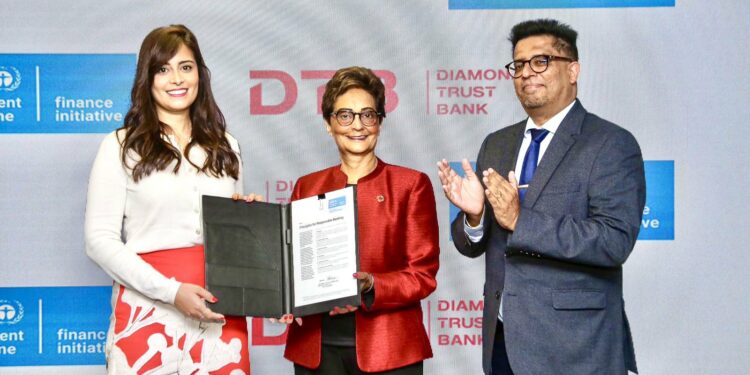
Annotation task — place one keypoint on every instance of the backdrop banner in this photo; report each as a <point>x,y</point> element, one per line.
<point>674,73</point>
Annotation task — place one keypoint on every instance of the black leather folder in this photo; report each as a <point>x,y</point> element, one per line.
<point>248,256</point>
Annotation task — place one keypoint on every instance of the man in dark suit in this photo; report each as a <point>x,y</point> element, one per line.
<point>554,244</point>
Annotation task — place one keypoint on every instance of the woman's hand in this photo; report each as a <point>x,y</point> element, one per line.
<point>191,301</point>
<point>286,319</point>
<point>343,310</point>
<point>366,281</point>
<point>252,197</point>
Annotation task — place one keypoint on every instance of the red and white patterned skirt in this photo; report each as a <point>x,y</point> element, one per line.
<point>151,337</point>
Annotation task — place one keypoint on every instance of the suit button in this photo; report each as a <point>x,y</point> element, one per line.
<point>497,294</point>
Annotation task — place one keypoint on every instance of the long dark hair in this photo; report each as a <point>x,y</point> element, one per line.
<point>143,130</point>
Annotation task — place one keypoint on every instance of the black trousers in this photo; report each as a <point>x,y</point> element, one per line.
<point>500,364</point>
<point>342,360</point>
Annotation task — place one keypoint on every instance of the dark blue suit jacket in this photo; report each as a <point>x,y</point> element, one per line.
<point>560,271</point>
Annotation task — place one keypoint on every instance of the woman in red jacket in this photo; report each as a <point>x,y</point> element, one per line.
<point>398,245</point>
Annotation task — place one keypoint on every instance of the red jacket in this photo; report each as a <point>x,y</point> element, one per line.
<point>399,245</point>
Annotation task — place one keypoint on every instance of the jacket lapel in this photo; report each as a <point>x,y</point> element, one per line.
<point>563,140</point>
<point>507,155</point>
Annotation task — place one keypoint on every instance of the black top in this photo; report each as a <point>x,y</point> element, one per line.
<point>340,330</point>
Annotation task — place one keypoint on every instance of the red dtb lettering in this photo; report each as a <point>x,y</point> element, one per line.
<point>282,186</point>
<point>318,74</point>
<point>389,81</point>
<point>260,338</point>
<point>256,97</point>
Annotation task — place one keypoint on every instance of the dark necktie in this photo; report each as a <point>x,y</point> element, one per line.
<point>531,159</point>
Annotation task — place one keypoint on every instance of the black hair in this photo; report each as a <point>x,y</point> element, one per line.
<point>565,35</point>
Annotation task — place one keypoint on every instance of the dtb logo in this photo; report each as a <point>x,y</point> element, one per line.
<point>261,103</point>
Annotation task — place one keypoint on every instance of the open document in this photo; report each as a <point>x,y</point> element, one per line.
<point>266,259</point>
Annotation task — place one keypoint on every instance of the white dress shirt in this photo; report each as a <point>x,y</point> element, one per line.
<point>161,211</point>
<point>475,233</point>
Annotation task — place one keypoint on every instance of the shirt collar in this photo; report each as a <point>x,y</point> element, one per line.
<point>553,123</point>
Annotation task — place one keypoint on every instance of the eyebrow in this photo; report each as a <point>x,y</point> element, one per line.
<point>361,109</point>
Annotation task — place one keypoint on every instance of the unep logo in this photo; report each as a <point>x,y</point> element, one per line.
<point>10,78</point>
<point>11,312</point>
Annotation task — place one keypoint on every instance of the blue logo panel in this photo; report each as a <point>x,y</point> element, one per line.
<point>54,325</point>
<point>64,93</point>
<point>454,211</point>
<point>657,222</point>
<point>541,4</point>
<point>337,202</point>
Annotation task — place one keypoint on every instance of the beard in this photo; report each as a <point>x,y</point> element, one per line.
<point>533,101</point>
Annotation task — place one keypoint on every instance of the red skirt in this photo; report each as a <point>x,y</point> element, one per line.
<point>152,337</point>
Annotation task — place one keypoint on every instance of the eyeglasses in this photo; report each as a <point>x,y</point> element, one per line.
<point>538,64</point>
<point>345,117</point>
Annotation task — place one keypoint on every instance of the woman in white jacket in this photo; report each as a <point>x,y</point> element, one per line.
<point>143,216</point>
